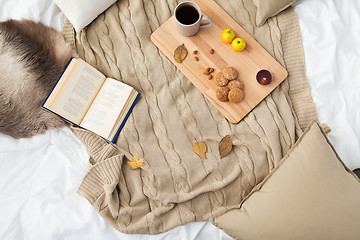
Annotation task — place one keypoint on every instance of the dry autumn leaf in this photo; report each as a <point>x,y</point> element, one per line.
<point>180,53</point>
<point>136,163</point>
<point>200,149</point>
<point>225,146</point>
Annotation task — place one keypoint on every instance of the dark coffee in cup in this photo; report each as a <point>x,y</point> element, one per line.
<point>187,15</point>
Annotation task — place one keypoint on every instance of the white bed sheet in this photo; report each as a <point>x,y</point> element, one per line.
<point>44,11</point>
<point>331,40</point>
<point>39,177</point>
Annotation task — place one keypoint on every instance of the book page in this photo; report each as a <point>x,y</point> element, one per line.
<point>106,107</point>
<point>75,91</point>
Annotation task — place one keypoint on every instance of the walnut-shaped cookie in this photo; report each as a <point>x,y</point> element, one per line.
<point>236,84</point>
<point>220,79</point>
<point>235,95</point>
<point>230,73</point>
<point>222,93</point>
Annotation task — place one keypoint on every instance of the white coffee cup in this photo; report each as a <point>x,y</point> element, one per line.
<point>188,16</point>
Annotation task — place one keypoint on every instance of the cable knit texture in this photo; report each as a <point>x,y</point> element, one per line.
<point>176,186</point>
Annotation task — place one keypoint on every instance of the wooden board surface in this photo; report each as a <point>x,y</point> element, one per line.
<point>248,62</point>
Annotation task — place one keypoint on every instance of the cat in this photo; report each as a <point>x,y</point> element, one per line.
<point>32,57</point>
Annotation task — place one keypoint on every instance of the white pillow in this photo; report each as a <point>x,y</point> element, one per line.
<point>82,12</point>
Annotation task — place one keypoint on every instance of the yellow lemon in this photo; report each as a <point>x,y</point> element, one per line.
<point>238,44</point>
<point>227,35</point>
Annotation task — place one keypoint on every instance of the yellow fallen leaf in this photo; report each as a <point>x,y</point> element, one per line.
<point>200,149</point>
<point>180,53</point>
<point>135,163</point>
<point>225,146</point>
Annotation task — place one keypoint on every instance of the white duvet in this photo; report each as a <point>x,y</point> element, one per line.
<point>330,31</point>
<point>39,177</point>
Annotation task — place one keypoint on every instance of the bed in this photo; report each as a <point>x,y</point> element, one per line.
<point>39,177</point>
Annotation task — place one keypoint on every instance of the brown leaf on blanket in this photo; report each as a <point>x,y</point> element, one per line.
<point>200,149</point>
<point>136,163</point>
<point>225,146</point>
<point>180,53</point>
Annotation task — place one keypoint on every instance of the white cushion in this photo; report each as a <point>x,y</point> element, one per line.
<point>82,12</point>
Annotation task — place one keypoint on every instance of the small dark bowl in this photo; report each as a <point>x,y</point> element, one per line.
<point>264,77</point>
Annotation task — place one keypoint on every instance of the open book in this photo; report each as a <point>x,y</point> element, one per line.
<point>84,97</point>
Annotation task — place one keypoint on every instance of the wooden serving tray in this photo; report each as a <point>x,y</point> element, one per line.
<point>248,62</point>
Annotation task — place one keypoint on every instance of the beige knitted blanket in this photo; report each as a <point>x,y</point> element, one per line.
<point>176,186</point>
